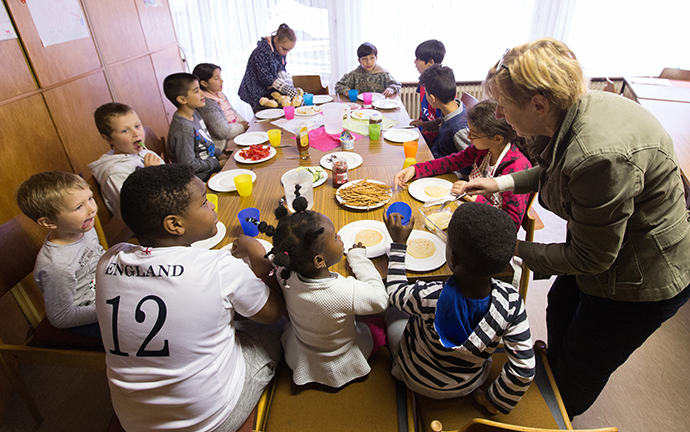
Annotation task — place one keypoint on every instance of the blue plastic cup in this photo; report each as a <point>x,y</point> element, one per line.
<point>250,228</point>
<point>308,99</point>
<point>353,95</point>
<point>400,207</point>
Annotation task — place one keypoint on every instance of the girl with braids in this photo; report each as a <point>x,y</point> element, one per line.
<point>323,341</point>
<point>495,151</point>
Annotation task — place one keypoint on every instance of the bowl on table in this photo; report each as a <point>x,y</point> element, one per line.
<point>436,219</point>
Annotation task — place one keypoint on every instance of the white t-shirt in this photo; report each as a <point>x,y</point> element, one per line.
<point>166,316</point>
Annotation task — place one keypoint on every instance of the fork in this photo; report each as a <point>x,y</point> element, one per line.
<point>445,204</point>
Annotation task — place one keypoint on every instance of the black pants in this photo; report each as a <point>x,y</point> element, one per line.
<point>589,337</point>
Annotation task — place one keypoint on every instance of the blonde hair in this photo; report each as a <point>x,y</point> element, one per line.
<point>41,195</point>
<point>544,66</point>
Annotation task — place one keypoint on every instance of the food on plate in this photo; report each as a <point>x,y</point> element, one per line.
<point>317,172</point>
<point>441,220</point>
<point>255,152</point>
<point>360,115</point>
<point>368,237</point>
<point>364,194</point>
<point>436,191</point>
<point>308,110</point>
<point>421,248</point>
<point>266,102</point>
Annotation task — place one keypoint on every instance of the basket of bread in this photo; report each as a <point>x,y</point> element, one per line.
<point>282,100</point>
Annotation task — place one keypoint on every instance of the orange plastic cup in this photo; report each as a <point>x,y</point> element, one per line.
<point>410,148</point>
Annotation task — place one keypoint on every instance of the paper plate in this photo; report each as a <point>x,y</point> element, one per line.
<point>212,241</point>
<point>270,114</point>
<point>416,188</point>
<point>249,138</point>
<point>225,181</point>
<point>272,152</point>
<point>371,207</point>
<point>349,232</point>
<point>427,264</point>
<point>353,160</point>
<point>401,135</point>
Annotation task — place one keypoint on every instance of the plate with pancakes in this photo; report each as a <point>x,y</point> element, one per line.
<point>373,235</point>
<point>430,189</point>
<point>425,251</point>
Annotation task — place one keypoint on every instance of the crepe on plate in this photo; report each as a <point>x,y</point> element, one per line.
<point>436,191</point>
<point>421,248</point>
<point>368,237</point>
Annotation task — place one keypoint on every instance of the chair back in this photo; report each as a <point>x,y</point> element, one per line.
<point>529,223</point>
<point>675,74</point>
<point>156,144</point>
<point>20,241</point>
<point>110,229</point>
<point>310,84</point>
<point>468,100</point>
<point>609,86</point>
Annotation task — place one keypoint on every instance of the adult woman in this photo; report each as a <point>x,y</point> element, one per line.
<point>221,119</point>
<point>608,167</point>
<point>265,71</point>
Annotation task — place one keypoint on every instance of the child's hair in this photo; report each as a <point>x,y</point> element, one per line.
<point>151,194</point>
<point>430,50</point>
<point>482,238</point>
<point>178,84</point>
<point>483,117</point>
<point>105,112</point>
<point>366,49</point>
<point>439,81</point>
<point>41,195</point>
<point>204,71</point>
<point>285,32</point>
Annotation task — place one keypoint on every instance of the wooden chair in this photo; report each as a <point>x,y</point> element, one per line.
<point>675,74</point>
<point>468,100</point>
<point>609,86</point>
<point>20,241</point>
<point>156,144</point>
<point>310,84</point>
<point>481,425</point>
<point>110,229</point>
<point>530,223</point>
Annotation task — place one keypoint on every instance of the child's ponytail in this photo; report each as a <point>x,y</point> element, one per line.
<point>285,32</point>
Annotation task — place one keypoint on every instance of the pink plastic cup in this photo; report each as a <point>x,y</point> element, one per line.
<point>289,112</point>
<point>366,98</point>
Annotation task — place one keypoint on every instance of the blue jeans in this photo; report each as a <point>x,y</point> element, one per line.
<point>589,337</point>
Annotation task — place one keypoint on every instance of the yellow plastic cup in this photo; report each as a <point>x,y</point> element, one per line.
<point>274,137</point>
<point>410,148</point>
<point>243,183</point>
<point>409,162</point>
<point>213,198</point>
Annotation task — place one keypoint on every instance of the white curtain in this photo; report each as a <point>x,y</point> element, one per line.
<point>552,18</point>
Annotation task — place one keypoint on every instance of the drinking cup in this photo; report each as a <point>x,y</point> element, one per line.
<point>249,228</point>
<point>400,207</point>
<point>352,94</point>
<point>243,183</point>
<point>308,99</point>
<point>374,131</point>
<point>366,98</point>
<point>306,182</point>
<point>410,148</point>
<point>274,135</point>
<point>289,112</point>
<point>213,198</point>
<point>409,162</point>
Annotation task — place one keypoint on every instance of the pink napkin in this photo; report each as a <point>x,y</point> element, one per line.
<point>320,140</point>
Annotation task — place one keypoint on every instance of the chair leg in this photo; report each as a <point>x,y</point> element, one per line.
<point>12,373</point>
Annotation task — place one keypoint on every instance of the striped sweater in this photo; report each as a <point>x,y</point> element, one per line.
<point>449,372</point>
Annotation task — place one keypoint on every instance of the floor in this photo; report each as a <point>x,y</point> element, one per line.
<point>650,392</point>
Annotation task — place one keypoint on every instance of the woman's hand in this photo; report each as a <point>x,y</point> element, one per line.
<point>402,177</point>
<point>480,186</point>
<point>457,190</point>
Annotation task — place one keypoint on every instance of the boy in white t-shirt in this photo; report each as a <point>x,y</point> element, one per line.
<point>176,359</point>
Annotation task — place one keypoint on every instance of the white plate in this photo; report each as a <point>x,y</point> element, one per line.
<point>267,246</point>
<point>416,188</point>
<point>319,182</point>
<point>401,135</point>
<point>211,241</point>
<point>427,264</point>
<point>225,181</point>
<point>386,104</point>
<point>238,158</point>
<point>250,138</point>
<point>372,207</point>
<point>374,96</point>
<point>349,232</point>
<point>307,111</point>
<point>319,99</point>
<point>363,114</point>
<point>353,160</point>
<point>270,114</point>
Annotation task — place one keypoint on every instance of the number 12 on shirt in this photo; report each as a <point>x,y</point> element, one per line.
<point>140,317</point>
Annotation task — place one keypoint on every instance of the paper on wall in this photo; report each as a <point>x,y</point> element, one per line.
<point>58,21</point>
<point>6,27</point>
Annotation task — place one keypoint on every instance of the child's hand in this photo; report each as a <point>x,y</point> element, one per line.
<point>152,159</point>
<point>357,245</point>
<point>402,177</point>
<point>399,232</point>
<point>245,125</point>
<point>222,162</point>
<point>388,93</point>
<point>482,400</point>
<point>243,245</point>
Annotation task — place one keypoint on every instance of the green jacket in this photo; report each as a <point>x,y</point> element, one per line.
<point>611,172</point>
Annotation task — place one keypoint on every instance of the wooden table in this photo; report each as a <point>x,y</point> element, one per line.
<point>382,160</point>
<point>658,89</point>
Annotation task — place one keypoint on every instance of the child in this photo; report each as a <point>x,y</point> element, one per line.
<point>176,359</point>
<point>221,119</point>
<point>495,151</point>
<point>442,334</point>
<point>323,342</point>
<point>66,264</point>
<point>428,53</point>
<point>188,139</point>
<point>368,76</point>
<point>439,82</point>
<point>121,128</point>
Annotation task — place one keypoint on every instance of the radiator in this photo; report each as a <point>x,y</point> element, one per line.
<point>410,97</point>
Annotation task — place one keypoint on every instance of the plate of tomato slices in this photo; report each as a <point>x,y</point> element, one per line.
<point>256,153</point>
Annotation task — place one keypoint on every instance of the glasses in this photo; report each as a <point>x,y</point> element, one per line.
<point>471,136</point>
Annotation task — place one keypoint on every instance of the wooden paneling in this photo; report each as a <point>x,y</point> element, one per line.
<point>15,72</point>
<point>166,62</point>
<point>29,144</point>
<point>117,28</point>
<point>136,85</point>
<point>72,106</point>
<point>54,63</point>
<point>157,25</point>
